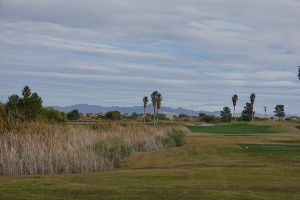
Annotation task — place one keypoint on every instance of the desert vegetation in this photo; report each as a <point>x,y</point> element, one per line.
<point>39,148</point>
<point>38,140</point>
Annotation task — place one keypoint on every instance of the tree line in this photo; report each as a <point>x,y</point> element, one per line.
<point>29,107</point>
<point>248,113</point>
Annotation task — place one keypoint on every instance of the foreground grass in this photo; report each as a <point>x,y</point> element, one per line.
<point>203,183</point>
<point>209,166</point>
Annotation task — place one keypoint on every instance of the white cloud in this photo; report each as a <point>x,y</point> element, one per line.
<point>194,51</point>
<point>219,25</point>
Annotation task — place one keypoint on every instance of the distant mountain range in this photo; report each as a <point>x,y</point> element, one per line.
<point>85,108</point>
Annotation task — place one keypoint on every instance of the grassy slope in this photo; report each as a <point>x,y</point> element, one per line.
<point>209,166</point>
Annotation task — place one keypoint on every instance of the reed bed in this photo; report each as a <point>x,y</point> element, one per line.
<point>38,148</point>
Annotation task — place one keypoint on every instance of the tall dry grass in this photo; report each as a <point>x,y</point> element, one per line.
<point>37,148</point>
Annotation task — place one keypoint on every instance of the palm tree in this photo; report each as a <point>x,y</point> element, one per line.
<point>235,99</point>
<point>26,92</point>
<point>159,100</point>
<point>154,103</point>
<point>265,109</point>
<point>252,100</point>
<point>145,100</point>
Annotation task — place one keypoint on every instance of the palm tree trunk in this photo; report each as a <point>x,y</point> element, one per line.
<point>154,115</point>
<point>144,114</point>
<point>265,115</point>
<point>252,114</point>
<point>234,114</point>
<point>157,116</point>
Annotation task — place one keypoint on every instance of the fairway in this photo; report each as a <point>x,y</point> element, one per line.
<point>209,166</point>
<point>233,129</point>
<point>272,148</point>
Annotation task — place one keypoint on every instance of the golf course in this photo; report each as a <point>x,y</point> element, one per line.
<point>258,160</point>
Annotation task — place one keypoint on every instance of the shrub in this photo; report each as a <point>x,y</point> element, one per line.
<point>178,137</point>
<point>207,118</point>
<point>174,138</point>
<point>166,140</point>
<point>183,115</point>
<point>53,116</point>
<point>73,115</point>
<point>113,115</point>
<point>134,115</point>
<point>114,151</point>
<point>162,116</point>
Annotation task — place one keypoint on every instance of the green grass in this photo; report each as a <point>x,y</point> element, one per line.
<point>208,166</point>
<point>206,183</point>
<point>272,148</point>
<point>233,129</point>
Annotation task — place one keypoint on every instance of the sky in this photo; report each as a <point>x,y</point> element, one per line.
<point>197,53</point>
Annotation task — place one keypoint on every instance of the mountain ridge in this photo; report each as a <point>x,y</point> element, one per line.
<point>86,108</point>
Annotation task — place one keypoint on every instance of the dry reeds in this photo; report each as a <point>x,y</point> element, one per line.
<point>37,148</point>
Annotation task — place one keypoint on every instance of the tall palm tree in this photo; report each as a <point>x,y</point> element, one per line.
<point>252,100</point>
<point>26,92</point>
<point>235,99</point>
<point>265,109</point>
<point>159,100</point>
<point>154,103</point>
<point>145,100</point>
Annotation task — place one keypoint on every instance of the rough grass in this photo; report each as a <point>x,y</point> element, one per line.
<point>208,166</point>
<point>39,148</point>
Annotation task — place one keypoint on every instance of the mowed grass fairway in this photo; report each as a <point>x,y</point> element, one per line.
<point>244,161</point>
<point>235,129</point>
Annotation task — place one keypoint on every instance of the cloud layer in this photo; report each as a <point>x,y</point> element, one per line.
<point>112,52</point>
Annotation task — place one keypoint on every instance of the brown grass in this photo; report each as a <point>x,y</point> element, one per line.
<point>37,148</point>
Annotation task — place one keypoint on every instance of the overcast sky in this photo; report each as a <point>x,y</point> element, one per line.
<point>197,53</point>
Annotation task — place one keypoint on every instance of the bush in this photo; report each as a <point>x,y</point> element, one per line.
<point>73,115</point>
<point>162,117</point>
<point>207,118</point>
<point>114,151</point>
<point>178,137</point>
<point>113,115</point>
<point>175,138</point>
<point>183,115</point>
<point>53,116</point>
<point>134,115</point>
